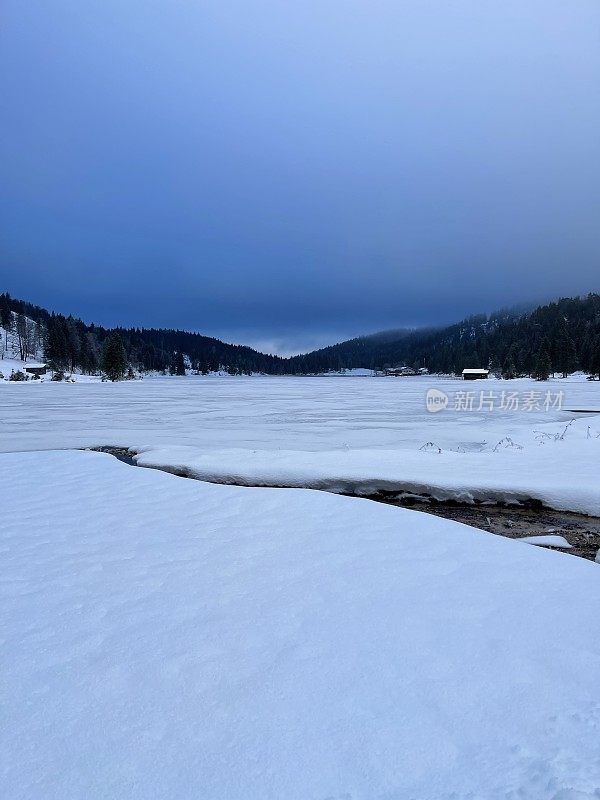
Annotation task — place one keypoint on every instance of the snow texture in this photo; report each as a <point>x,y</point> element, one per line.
<point>166,638</point>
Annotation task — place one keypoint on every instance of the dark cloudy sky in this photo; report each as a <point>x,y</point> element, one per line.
<point>290,173</point>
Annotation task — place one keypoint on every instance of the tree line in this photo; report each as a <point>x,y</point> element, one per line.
<point>556,338</point>
<point>70,344</point>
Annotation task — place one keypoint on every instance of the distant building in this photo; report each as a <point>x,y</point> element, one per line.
<point>399,372</point>
<point>35,369</point>
<point>474,374</point>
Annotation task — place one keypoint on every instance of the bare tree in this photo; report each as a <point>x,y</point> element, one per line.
<point>21,331</point>
<point>32,337</point>
<point>28,336</point>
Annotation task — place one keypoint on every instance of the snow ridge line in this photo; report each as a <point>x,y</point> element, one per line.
<point>405,493</point>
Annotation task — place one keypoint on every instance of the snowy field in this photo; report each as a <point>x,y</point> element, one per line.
<point>164,638</point>
<point>346,434</point>
<point>176,639</point>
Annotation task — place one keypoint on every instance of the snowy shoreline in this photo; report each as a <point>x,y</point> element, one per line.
<point>578,533</point>
<point>441,477</point>
<point>404,493</point>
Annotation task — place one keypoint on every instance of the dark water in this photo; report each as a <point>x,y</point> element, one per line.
<point>120,453</point>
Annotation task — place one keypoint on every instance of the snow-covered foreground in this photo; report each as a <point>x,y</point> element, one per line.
<point>352,434</point>
<point>165,638</point>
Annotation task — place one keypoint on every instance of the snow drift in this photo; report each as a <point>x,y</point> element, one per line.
<point>165,638</point>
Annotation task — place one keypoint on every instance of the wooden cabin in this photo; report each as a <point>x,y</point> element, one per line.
<point>474,374</point>
<point>35,369</point>
<point>399,372</point>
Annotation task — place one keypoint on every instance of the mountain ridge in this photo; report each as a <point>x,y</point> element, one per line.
<point>511,342</point>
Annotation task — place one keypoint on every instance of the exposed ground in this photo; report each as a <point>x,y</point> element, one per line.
<point>582,532</point>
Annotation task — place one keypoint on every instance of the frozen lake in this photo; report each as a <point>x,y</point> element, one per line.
<point>271,413</point>
<point>345,434</point>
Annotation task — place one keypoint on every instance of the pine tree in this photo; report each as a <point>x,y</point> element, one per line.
<point>89,353</point>
<point>509,369</point>
<point>177,364</point>
<point>55,350</point>
<point>595,358</point>
<point>5,312</point>
<point>73,343</point>
<point>566,357</point>
<point>495,367</point>
<point>542,368</point>
<point>114,358</point>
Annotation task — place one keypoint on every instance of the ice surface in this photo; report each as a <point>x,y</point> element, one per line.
<point>352,434</point>
<point>166,638</point>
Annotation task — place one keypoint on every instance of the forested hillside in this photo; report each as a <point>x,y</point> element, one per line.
<point>71,344</point>
<point>559,337</point>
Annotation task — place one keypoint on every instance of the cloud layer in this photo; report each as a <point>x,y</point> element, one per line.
<point>298,171</point>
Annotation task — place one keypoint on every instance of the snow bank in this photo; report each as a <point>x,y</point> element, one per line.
<point>165,638</point>
<point>547,541</point>
<point>563,476</point>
